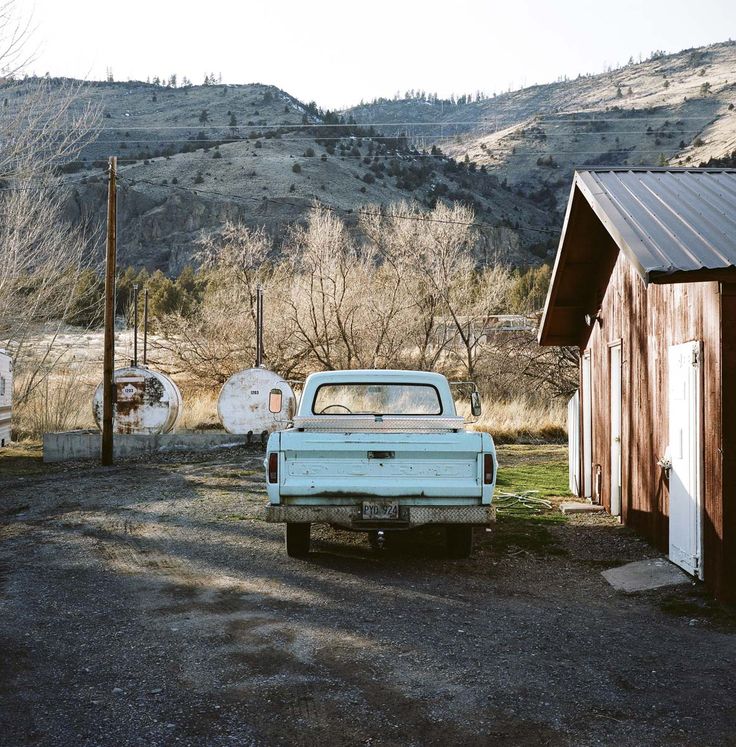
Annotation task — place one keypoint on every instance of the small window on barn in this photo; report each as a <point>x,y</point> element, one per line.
<point>2,386</point>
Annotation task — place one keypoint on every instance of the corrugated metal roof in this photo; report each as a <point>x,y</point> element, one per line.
<point>667,220</point>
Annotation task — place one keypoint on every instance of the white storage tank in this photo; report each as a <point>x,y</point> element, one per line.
<point>144,401</point>
<point>255,401</point>
<point>6,396</point>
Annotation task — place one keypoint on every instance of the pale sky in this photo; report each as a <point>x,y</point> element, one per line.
<point>338,53</point>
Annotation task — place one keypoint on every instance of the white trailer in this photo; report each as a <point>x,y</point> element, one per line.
<point>6,396</point>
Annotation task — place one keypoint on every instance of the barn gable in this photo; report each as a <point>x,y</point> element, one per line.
<point>673,225</point>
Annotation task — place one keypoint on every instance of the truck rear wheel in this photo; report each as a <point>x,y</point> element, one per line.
<point>297,539</point>
<point>459,540</point>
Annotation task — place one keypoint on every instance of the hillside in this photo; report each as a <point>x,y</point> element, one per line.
<point>671,109</point>
<point>167,204</point>
<point>191,158</point>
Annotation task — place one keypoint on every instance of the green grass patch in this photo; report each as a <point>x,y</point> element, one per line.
<point>548,478</point>
<point>545,433</point>
<point>521,530</point>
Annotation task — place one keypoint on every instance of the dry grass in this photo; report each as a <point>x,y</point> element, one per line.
<point>199,411</point>
<point>522,421</point>
<point>62,402</point>
<point>516,421</point>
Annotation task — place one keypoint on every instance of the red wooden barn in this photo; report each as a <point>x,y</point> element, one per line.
<point>645,285</point>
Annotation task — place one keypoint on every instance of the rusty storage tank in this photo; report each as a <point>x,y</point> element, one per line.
<point>255,401</point>
<point>145,401</point>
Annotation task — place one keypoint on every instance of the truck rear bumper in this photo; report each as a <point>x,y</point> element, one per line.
<point>411,516</point>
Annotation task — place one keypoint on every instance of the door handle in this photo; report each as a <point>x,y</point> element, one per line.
<point>381,454</point>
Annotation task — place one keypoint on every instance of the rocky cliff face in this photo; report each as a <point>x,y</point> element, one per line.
<point>156,232</point>
<point>168,204</point>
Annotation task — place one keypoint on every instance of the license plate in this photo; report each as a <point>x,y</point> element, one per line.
<point>375,510</point>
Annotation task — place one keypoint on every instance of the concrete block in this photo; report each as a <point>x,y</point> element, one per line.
<point>576,507</point>
<point>74,445</point>
<point>643,575</point>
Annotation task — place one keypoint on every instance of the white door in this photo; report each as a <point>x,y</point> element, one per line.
<point>615,358</point>
<point>686,455</point>
<point>573,443</point>
<point>587,395</point>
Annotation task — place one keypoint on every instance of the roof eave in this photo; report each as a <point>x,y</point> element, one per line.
<point>544,334</point>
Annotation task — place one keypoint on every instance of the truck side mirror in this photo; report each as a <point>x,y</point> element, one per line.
<point>475,406</point>
<point>275,401</point>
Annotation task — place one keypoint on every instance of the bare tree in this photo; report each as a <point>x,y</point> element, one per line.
<point>408,311</point>
<point>219,339</point>
<point>41,254</point>
<point>552,370</point>
<point>328,292</point>
<point>410,294</point>
<point>458,297</point>
<point>14,36</point>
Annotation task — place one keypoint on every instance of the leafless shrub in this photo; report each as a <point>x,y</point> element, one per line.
<point>552,370</point>
<point>61,402</point>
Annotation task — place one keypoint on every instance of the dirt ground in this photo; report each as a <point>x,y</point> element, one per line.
<point>148,604</point>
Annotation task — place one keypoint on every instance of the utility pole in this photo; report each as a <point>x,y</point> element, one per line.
<point>135,324</point>
<point>259,327</point>
<point>145,326</point>
<point>109,355</point>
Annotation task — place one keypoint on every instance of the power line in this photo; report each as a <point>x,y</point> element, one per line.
<point>627,115</point>
<point>622,151</point>
<point>36,180</point>
<point>434,136</point>
<point>284,201</point>
<point>357,160</point>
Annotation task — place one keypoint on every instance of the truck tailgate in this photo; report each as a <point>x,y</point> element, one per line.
<point>339,465</point>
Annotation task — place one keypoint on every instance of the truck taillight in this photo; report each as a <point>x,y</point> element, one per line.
<point>488,469</point>
<point>273,467</point>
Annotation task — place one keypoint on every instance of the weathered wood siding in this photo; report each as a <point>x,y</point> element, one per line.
<point>726,551</point>
<point>647,320</point>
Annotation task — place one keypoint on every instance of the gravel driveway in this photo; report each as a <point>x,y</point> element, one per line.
<point>148,604</point>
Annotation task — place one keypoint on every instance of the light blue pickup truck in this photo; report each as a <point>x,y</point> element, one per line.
<point>380,451</point>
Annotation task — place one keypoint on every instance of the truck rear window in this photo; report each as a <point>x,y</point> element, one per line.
<point>377,399</point>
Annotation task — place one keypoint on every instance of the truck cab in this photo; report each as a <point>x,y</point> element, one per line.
<point>379,451</point>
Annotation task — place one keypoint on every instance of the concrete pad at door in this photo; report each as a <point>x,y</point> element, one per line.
<point>576,507</point>
<point>645,574</point>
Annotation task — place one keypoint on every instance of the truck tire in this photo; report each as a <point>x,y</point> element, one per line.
<point>297,539</point>
<point>459,540</point>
